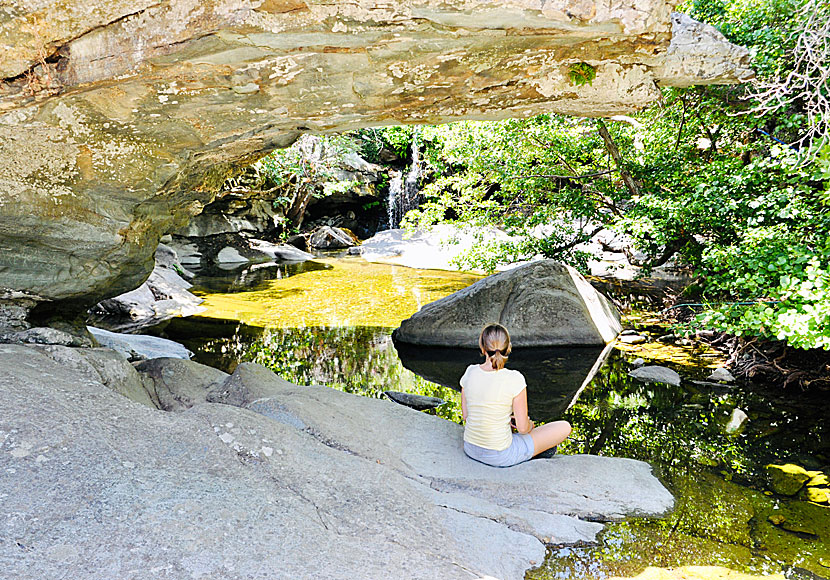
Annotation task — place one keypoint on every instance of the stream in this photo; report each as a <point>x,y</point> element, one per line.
<point>329,321</point>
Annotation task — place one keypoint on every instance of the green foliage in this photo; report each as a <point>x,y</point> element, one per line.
<point>394,138</point>
<point>582,73</point>
<point>522,176</point>
<point>310,162</point>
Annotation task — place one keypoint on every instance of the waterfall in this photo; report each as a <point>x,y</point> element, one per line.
<point>395,194</point>
<point>404,192</point>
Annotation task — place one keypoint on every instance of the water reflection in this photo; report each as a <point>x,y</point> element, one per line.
<point>356,359</point>
<point>248,277</point>
<point>553,375</point>
<point>723,513</point>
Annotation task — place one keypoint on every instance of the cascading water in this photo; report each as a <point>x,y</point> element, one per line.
<point>395,190</point>
<point>404,192</point>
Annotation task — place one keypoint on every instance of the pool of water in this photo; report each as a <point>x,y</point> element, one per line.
<point>330,322</point>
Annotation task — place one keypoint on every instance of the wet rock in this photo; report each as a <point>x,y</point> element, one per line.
<point>329,238</point>
<point>737,420</point>
<point>656,374</point>
<point>303,462</point>
<point>637,363</point>
<point>818,494</point>
<point>543,303</point>
<point>786,479</point>
<point>633,339</point>
<point>136,347</point>
<point>721,375</point>
<point>417,402</point>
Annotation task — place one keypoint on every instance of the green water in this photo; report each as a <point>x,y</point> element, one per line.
<point>722,526</point>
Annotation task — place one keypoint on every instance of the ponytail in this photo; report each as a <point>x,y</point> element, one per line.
<point>494,342</point>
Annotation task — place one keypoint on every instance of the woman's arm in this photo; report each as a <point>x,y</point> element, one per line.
<point>523,423</point>
<point>463,405</point>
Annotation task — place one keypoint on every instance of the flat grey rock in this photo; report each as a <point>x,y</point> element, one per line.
<point>324,484</point>
<point>656,374</point>
<point>139,346</point>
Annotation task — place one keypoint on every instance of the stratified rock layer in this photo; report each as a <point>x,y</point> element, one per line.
<point>302,482</point>
<point>121,118</point>
<point>543,303</point>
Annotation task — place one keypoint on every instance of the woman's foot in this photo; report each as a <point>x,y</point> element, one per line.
<point>547,453</point>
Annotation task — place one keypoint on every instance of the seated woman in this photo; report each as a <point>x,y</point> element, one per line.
<point>490,393</point>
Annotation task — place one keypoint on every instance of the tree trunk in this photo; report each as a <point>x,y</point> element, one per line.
<point>296,212</point>
<point>630,182</point>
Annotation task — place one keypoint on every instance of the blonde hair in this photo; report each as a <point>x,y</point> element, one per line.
<point>495,344</point>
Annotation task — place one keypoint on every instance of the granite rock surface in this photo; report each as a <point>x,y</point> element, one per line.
<point>298,482</point>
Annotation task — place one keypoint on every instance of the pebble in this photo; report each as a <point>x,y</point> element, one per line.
<point>721,374</point>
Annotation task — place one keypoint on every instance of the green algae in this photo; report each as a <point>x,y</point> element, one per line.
<point>718,529</point>
<point>352,292</point>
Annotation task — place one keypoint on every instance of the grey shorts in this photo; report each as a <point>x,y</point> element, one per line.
<point>521,449</point>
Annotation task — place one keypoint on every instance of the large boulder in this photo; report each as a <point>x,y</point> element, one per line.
<point>122,118</point>
<point>543,303</point>
<point>299,482</point>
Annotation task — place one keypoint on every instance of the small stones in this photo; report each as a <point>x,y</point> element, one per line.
<point>637,363</point>
<point>736,421</point>
<point>656,374</point>
<point>632,339</point>
<point>721,375</point>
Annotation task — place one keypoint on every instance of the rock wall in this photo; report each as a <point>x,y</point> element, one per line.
<point>120,119</point>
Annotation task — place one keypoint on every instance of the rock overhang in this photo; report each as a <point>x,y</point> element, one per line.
<point>120,120</point>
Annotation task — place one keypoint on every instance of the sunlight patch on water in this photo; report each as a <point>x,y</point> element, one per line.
<point>352,292</point>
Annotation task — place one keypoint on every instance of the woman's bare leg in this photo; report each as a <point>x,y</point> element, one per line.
<point>549,435</point>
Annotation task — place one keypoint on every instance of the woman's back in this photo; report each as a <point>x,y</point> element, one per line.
<point>489,400</point>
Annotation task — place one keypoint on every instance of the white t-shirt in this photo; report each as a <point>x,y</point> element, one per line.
<point>489,396</point>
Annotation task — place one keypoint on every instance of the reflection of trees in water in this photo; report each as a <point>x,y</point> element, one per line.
<point>360,360</point>
<point>721,512</point>
<point>683,428</point>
